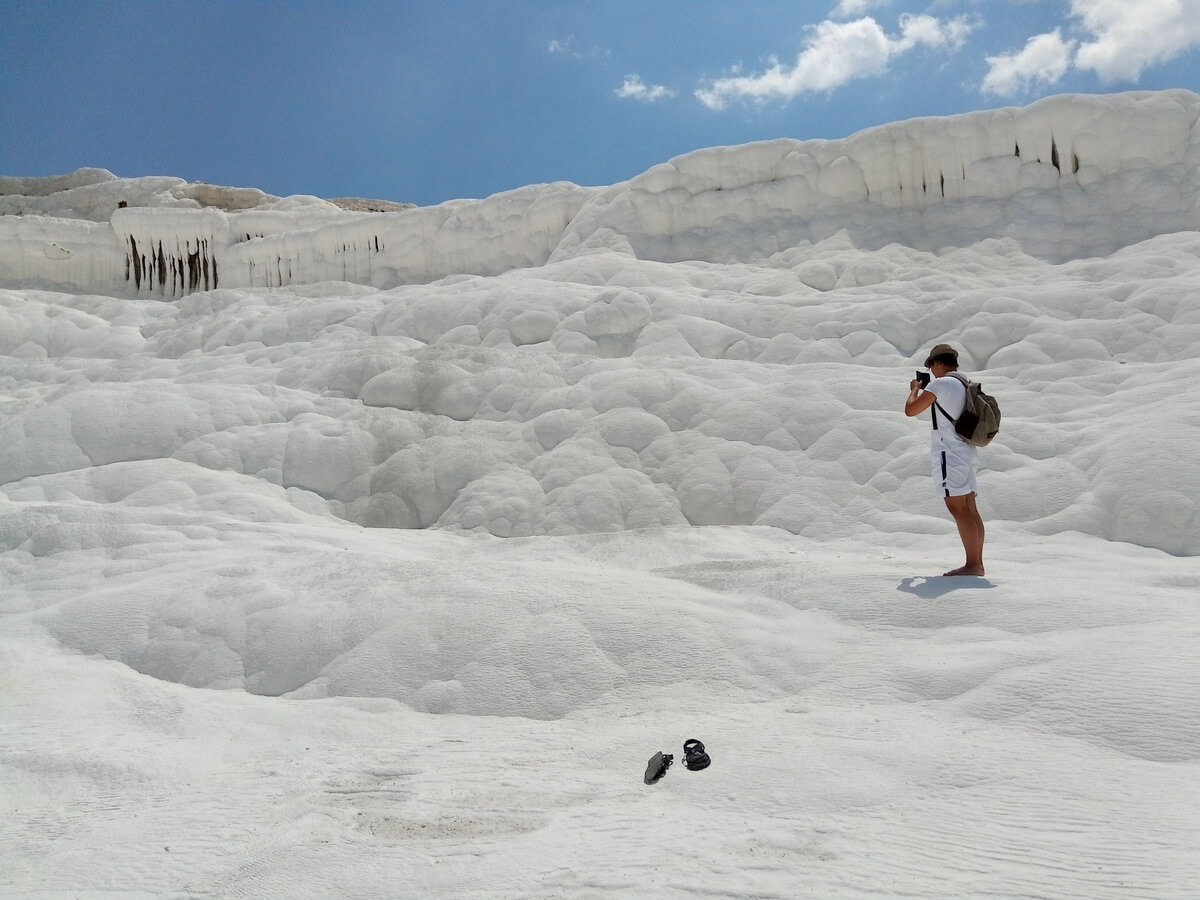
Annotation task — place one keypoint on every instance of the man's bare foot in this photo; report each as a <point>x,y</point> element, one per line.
<point>966,570</point>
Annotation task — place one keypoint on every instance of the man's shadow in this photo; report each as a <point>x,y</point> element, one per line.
<point>940,585</point>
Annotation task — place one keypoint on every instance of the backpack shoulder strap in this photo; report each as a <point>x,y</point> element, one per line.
<point>944,413</point>
<point>966,383</point>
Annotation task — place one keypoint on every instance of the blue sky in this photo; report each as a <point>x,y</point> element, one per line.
<point>442,99</point>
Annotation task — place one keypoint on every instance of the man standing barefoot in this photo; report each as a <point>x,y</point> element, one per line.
<point>955,462</point>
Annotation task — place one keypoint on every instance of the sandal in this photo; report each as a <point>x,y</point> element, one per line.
<point>694,757</point>
<point>658,765</point>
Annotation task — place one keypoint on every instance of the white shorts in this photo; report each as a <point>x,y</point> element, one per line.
<point>954,471</point>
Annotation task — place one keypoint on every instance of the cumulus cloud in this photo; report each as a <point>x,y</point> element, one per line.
<point>635,89</point>
<point>1123,37</point>
<point>1129,35</point>
<point>1044,60</point>
<point>931,32</point>
<point>834,54</point>
<point>849,8</point>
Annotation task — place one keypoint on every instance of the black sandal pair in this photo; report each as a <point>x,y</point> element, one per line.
<point>694,759</point>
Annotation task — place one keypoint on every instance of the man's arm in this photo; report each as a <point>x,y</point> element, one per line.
<point>918,400</point>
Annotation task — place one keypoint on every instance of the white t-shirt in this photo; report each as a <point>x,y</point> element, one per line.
<point>952,397</point>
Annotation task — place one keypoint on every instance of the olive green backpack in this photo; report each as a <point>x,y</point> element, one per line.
<point>980,419</point>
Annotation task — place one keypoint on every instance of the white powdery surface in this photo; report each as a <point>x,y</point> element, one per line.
<point>873,732</point>
<point>368,588</point>
<point>606,393</point>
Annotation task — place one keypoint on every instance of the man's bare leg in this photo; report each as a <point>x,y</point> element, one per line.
<point>970,530</point>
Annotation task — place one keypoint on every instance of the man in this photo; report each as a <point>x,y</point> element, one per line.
<point>955,462</point>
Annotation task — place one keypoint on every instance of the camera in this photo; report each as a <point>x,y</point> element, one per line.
<point>923,378</point>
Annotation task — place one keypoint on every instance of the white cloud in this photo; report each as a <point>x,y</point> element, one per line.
<point>847,9</point>
<point>931,32</point>
<point>834,54</point>
<point>635,89</point>
<point>1130,35</point>
<point>1045,59</point>
<point>569,47</point>
<point>1126,36</point>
